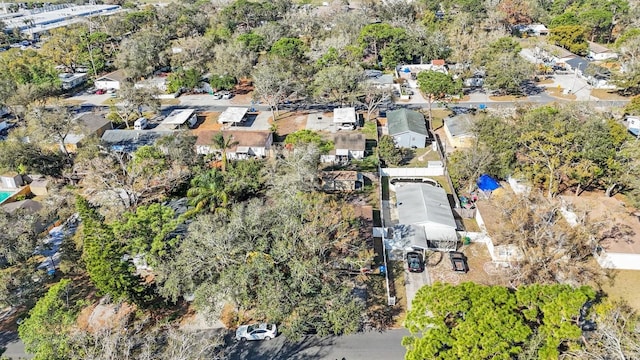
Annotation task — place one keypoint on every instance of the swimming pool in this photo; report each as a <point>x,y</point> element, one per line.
<point>4,195</point>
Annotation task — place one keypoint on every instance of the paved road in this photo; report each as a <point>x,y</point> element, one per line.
<point>363,346</point>
<point>12,346</point>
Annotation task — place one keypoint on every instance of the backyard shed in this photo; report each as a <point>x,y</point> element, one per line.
<point>408,128</point>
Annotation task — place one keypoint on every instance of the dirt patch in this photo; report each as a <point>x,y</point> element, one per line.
<point>290,121</point>
<point>169,101</point>
<point>210,122</point>
<point>558,92</point>
<point>104,316</point>
<point>481,269</point>
<point>604,94</point>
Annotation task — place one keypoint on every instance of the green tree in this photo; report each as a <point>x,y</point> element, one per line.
<point>306,136</point>
<point>470,321</point>
<point>207,191</point>
<point>388,152</point>
<point>103,257</point>
<point>506,73</point>
<point>183,79</point>
<point>252,41</point>
<point>339,84</point>
<point>289,48</point>
<point>570,37</point>
<point>437,86</point>
<point>46,331</point>
<point>375,38</point>
<point>222,144</point>
<point>222,82</point>
<point>148,231</point>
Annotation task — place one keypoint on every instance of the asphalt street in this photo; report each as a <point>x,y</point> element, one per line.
<point>363,346</point>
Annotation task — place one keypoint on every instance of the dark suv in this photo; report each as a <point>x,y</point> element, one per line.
<point>415,262</point>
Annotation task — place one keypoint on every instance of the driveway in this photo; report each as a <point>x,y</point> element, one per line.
<point>413,282</point>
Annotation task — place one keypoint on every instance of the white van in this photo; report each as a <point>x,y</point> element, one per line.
<point>140,124</point>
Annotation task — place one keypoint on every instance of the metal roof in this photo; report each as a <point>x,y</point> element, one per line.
<point>37,20</point>
<point>178,117</point>
<point>131,140</point>
<point>420,203</point>
<point>403,120</point>
<point>344,115</point>
<point>233,115</point>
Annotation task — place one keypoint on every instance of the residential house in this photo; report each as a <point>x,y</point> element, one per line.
<point>89,124</point>
<point>112,80</point>
<point>346,146</point>
<point>409,73</point>
<point>331,181</point>
<point>384,81</point>
<point>598,52</point>
<point>532,29</point>
<point>246,144</point>
<point>425,219</point>
<point>458,130</point>
<point>130,140</point>
<point>408,128</point>
<point>69,81</point>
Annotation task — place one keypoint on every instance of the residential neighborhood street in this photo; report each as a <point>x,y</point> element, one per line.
<point>363,346</point>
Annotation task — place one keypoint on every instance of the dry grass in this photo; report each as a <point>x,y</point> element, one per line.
<point>210,122</point>
<point>605,94</point>
<point>545,82</point>
<point>109,102</point>
<point>504,98</point>
<point>481,270</point>
<point>625,286</point>
<point>169,101</point>
<point>421,156</point>
<point>471,225</point>
<point>558,92</point>
<point>290,121</point>
<point>397,274</point>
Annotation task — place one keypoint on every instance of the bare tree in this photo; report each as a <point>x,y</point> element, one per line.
<point>55,124</point>
<point>374,96</point>
<point>273,84</point>
<point>132,102</point>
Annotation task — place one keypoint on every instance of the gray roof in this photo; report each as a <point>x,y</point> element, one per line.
<point>420,203</point>
<point>459,125</point>
<point>351,141</point>
<point>92,122</point>
<point>579,63</point>
<point>29,206</point>
<point>118,75</point>
<point>131,140</point>
<point>403,120</point>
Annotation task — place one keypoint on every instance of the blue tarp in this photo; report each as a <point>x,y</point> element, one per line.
<point>487,183</point>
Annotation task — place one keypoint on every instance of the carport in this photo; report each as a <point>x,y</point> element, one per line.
<point>233,115</point>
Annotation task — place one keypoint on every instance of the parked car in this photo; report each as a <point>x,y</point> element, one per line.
<point>347,127</point>
<point>256,332</point>
<point>217,96</point>
<point>100,91</point>
<point>415,262</point>
<point>227,95</point>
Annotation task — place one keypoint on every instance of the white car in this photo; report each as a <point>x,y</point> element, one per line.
<point>256,332</point>
<point>226,95</point>
<point>347,127</point>
<point>217,96</point>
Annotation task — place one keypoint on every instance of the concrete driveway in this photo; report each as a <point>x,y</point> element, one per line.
<point>413,282</point>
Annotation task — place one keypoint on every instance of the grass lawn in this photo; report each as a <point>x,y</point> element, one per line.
<point>370,130</point>
<point>443,182</point>
<point>399,291</point>
<point>421,156</point>
<point>470,225</point>
<point>625,286</point>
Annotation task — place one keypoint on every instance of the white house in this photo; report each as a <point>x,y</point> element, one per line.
<point>408,128</point>
<point>425,218</point>
<point>246,144</point>
<point>599,53</point>
<point>346,146</point>
<point>112,80</point>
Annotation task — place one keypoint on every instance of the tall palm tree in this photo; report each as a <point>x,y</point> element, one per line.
<point>208,192</point>
<point>222,144</point>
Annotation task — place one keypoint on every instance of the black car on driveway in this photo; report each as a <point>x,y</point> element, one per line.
<point>415,262</point>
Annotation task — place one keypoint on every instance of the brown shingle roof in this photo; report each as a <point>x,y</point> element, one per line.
<point>351,141</point>
<point>117,75</point>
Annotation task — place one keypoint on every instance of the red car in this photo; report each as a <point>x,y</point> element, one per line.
<point>100,91</point>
